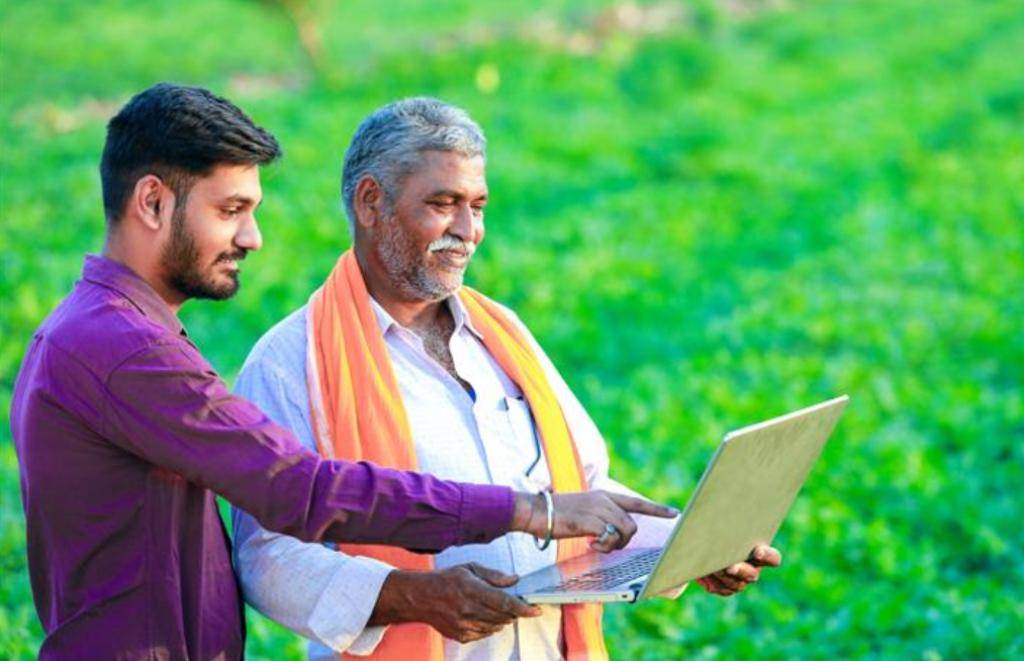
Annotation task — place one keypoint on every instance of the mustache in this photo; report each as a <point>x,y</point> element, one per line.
<point>236,256</point>
<point>450,242</point>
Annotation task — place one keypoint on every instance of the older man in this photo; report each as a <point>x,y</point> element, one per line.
<point>463,390</point>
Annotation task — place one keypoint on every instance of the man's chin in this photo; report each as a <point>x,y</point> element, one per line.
<point>211,291</point>
<point>222,294</point>
<point>433,290</point>
<point>445,287</point>
<point>225,289</point>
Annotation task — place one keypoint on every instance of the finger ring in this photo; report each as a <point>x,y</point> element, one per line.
<point>609,530</point>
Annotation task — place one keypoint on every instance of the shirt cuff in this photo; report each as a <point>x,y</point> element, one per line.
<point>486,512</point>
<point>345,605</point>
<point>366,642</point>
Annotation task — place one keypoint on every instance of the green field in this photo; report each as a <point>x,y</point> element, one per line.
<point>708,213</point>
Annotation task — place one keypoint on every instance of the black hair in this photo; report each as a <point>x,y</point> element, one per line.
<point>178,133</point>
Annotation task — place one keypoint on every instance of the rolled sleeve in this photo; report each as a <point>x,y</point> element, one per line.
<point>342,611</point>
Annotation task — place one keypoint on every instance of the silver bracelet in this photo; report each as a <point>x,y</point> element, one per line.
<point>551,523</point>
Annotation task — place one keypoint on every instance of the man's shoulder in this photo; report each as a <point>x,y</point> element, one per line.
<point>504,309</point>
<point>512,316</point>
<point>281,349</point>
<point>99,329</point>
<point>510,312</point>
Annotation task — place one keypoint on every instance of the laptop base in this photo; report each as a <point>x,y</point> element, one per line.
<point>591,578</point>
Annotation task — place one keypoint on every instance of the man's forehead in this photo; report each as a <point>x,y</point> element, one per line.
<point>226,181</point>
<point>440,167</point>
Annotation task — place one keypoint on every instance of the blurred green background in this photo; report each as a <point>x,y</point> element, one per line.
<point>708,212</point>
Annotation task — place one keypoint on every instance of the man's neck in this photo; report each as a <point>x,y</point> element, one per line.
<point>146,267</point>
<point>432,321</point>
<point>413,313</point>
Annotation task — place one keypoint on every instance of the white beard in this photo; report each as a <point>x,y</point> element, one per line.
<point>405,269</point>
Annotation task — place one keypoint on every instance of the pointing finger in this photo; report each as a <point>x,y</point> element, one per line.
<point>641,506</point>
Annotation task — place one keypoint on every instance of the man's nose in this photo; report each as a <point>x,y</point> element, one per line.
<point>249,237</point>
<point>462,226</point>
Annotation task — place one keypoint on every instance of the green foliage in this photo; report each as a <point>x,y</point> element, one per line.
<point>708,214</point>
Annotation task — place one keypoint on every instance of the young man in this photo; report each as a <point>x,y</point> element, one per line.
<point>124,432</point>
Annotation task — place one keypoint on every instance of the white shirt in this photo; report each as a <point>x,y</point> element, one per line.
<point>486,437</point>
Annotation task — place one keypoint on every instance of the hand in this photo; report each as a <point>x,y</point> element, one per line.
<point>586,514</point>
<point>462,602</point>
<point>736,578</point>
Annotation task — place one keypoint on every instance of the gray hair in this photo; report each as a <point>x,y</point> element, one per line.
<point>387,145</point>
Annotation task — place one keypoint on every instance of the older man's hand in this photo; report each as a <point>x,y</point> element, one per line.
<point>736,578</point>
<point>462,602</point>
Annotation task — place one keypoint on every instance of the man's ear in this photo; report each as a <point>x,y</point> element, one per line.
<point>368,202</point>
<point>152,202</point>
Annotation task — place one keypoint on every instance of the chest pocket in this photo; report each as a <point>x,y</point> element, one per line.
<point>526,453</point>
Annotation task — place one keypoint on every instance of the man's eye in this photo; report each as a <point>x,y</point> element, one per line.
<point>233,211</point>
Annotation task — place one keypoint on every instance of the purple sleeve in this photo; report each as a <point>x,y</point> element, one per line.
<point>168,406</point>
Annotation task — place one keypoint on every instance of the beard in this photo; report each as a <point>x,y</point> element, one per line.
<point>407,269</point>
<point>183,270</point>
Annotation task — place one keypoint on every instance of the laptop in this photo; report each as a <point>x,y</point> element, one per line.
<point>739,503</point>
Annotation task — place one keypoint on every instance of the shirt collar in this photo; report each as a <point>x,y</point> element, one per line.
<point>459,313</point>
<point>114,275</point>
<point>384,319</point>
<point>461,316</point>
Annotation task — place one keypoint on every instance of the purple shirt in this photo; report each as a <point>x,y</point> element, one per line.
<point>123,433</point>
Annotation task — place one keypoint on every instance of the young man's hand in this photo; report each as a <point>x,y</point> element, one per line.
<point>599,514</point>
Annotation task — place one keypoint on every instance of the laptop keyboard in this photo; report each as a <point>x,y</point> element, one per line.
<point>605,578</point>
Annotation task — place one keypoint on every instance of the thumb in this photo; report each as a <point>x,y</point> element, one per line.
<point>493,576</point>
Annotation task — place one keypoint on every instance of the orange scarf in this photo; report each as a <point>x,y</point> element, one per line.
<point>357,414</point>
